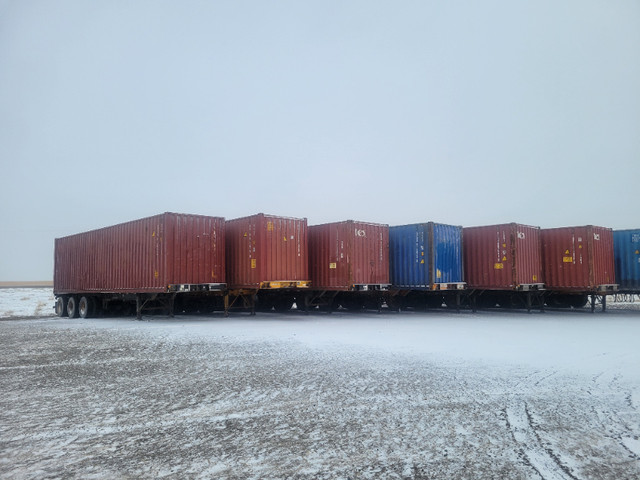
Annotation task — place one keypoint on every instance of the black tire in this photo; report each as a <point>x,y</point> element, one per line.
<point>486,301</point>
<point>373,303</point>
<point>264,304</point>
<point>352,304</point>
<point>557,301</point>
<point>450,301</point>
<point>508,300</point>
<point>434,301</point>
<point>283,304</point>
<point>579,301</point>
<point>330,306</point>
<point>85,307</point>
<point>72,307</point>
<point>61,307</point>
<point>567,301</point>
<point>394,303</point>
<point>417,301</point>
<point>300,304</point>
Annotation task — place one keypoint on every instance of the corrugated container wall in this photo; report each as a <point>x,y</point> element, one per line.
<point>264,249</point>
<point>626,249</point>
<point>578,258</point>
<point>502,257</point>
<point>145,255</point>
<point>423,255</point>
<point>347,255</point>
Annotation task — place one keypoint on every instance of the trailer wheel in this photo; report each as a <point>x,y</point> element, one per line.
<point>283,304</point>
<point>487,300</point>
<point>84,307</point>
<point>451,301</point>
<point>394,303</point>
<point>434,301</point>
<point>329,306</point>
<point>263,303</point>
<point>352,304</point>
<point>61,307</point>
<point>72,307</point>
<point>579,301</point>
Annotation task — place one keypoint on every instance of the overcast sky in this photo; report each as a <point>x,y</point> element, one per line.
<point>462,112</point>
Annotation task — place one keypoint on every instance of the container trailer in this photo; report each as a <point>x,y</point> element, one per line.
<point>503,265</point>
<point>349,264</point>
<point>425,265</point>
<point>169,261</point>
<point>267,261</point>
<point>196,263</point>
<point>626,250</point>
<point>578,263</point>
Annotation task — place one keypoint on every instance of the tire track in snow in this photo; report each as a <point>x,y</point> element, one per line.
<point>631,442</point>
<point>542,459</point>
<point>524,432</point>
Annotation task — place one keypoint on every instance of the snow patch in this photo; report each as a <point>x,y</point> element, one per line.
<point>26,302</point>
<point>633,444</point>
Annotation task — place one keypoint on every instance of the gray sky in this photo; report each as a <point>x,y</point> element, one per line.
<point>462,112</point>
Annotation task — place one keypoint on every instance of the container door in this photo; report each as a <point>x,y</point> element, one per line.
<point>447,253</point>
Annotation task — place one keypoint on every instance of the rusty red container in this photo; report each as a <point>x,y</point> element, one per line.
<point>153,254</point>
<point>349,255</point>
<point>503,257</point>
<point>579,259</point>
<point>267,251</point>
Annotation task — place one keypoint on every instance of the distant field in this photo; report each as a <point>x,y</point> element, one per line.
<point>33,284</point>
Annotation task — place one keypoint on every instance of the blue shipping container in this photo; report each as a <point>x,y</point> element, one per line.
<point>626,251</point>
<point>426,256</point>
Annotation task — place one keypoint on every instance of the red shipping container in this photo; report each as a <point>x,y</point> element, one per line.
<point>155,255</point>
<point>266,251</point>
<point>502,257</point>
<point>349,256</point>
<point>579,258</point>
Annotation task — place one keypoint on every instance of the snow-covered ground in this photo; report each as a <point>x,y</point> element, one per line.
<point>26,302</point>
<point>409,395</point>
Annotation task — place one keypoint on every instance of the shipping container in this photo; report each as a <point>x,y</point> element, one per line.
<point>349,256</point>
<point>579,259</point>
<point>267,252</point>
<point>166,253</point>
<point>426,256</point>
<point>425,266</point>
<point>503,257</point>
<point>349,265</point>
<point>626,247</point>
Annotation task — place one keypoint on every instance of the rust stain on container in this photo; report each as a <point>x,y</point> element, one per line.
<point>267,251</point>
<point>145,255</point>
<point>578,258</point>
<point>502,257</point>
<point>349,255</point>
